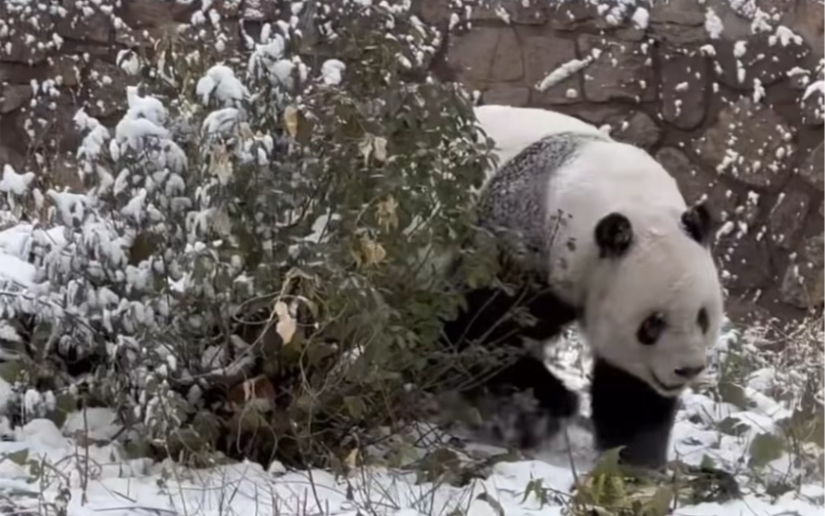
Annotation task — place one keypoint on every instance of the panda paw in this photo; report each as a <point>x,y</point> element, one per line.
<point>525,430</point>
<point>521,422</point>
<point>561,403</point>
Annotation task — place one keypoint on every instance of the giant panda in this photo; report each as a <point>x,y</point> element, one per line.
<point>598,234</point>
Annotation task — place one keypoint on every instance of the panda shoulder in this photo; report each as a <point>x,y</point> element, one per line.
<point>524,177</point>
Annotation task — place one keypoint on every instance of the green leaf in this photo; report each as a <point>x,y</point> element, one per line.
<point>533,487</point>
<point>492,503</point>
<point>355,406</point>
<point>777,489</point>
<point>763,449</point>
<point>11,371</point>
<point>136,449</point>
<point>733,394</point>
<point>659,503</point>
<point>817,434</point>
<point>65,403</point>
<point>19,457</point>
<point>733,426</point>
<point>608,463</point>
<point>35,470</point>
<point>317,353</point>
<point>707,462</point>
<point>806,426</point>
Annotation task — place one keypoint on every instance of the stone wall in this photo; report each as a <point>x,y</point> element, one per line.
<point>59,56</point>
<point>728,116</point>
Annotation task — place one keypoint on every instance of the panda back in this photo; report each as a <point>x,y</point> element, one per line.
<point>515,129</point>
<point>546,201</point>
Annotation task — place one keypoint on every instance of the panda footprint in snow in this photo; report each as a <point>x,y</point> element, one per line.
<point>607,233</point>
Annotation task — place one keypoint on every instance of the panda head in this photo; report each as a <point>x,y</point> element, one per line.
<point>654,305</point>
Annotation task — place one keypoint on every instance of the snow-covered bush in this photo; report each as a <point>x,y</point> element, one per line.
<point>243,266</point>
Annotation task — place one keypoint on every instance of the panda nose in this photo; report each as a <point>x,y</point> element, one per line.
<point>689,372</point>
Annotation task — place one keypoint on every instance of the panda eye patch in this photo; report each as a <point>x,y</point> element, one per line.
<point>651,329</point>
<point>702,320</point>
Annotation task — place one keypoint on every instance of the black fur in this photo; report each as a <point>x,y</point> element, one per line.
<point>698,223</point>
<point>492,320</point>
<point>613,235</point>
<point>627,412</point>
<point>491,315</point>
<point>554,401</point>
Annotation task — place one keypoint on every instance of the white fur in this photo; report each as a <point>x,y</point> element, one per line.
<point>662,273</point>
<point>607,177</point>
<point>664,270</point>
<point>513,129</point>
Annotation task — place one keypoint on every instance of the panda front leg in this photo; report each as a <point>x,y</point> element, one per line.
<point>627,412</point>
<point>551,402</point>
<point>517,420</point>
<point>522,421</point>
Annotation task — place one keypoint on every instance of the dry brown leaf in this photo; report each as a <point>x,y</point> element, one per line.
<point>388,213</point>
<point>352,458</point>
<point>219,164</point>
<point>373,252</point>
<point>221,222</point>
<point>245,131</point>
<point>286,324</point>
<point>379,145</point>
<point>365,147</point>
<point>291,120</point>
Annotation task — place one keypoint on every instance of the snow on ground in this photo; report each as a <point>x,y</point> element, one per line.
<point>120,487</point>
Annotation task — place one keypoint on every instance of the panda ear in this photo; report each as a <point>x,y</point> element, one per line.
<point>614,234</point>
<point>698,223</point>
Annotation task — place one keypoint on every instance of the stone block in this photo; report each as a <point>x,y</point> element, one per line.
<point>808,20</point>
<point>748,262</point>
<point>156,13</point>
<point>543,55</point>
<point>637,129</point>
<point>506,95</point>
<point>69,69</point>
<point>750,143</point>
<point>763,57</point>
<point>570,16</point>
<point>622,71</point>
<point>812,168</point>
<point>472,53</point>
<point>20,73</point>
<point>802,281</point>
<point>507,63</point>
<point>788,217</point>
<point>676,34</point>
<point>517,12</point>
<point>106,85</point>
<point>678,22</point>
<point>684,87</point>
<point>812,106</point>
<point>693,182</point>
<point>14,96</point>
<point>680,12</point>
<point>434,12</point>
<point>83,23</point>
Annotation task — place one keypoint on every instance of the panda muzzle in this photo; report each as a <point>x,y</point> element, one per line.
<point>674,388</point>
